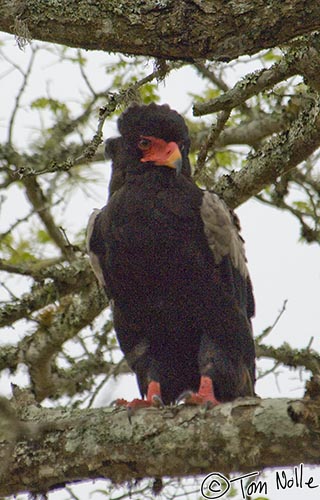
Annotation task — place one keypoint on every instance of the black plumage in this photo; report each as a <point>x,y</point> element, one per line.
<point>170,256</point>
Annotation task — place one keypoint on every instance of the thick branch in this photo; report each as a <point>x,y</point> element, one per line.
<point>66,280</point>
<point>302,58</point>
<point>185,29</point>
<point>278,156</point>
<point>47,341</point>
<point>39,270</point>
<point>249,434</point>
<point>250,85</point>
<point>252,132</point>
<point>247,133</point>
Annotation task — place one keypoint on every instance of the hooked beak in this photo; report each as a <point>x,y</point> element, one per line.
<point>161,153</point>
<point>174,160</point>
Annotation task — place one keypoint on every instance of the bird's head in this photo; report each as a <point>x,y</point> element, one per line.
<point>159,152</point>
<point>156,135</point>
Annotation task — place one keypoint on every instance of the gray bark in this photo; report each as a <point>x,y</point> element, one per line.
<point>187,29</point>
<point>44,449</point>
<point>280,154</point>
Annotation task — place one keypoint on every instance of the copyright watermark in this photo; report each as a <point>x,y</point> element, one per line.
<point>216,485</point>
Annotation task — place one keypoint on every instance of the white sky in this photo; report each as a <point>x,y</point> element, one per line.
<point>281,267</point>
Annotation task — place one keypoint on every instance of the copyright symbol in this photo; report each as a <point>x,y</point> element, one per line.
<point>215,486</point>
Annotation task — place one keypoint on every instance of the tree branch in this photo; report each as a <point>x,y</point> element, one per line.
<point>302,58</point>
<point>66,280</point>
<point>294,358</point>
<point>44,345</point>
<point>248,434</point>
<point>39,270</point>
<point>42,207</point>
<point>212,138</point>
<point>252,132</point>
<point>192,29</point>
<point>26,75</point>
<point>278,156</point>
<point>124,96</point>
<point>250,85</point>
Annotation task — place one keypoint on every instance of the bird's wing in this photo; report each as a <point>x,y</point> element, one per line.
<point>222,231</point>
<point>96,247</point>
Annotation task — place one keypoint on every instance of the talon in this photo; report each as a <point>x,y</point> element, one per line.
<point>191,398</point>
<point>184,397</point>
<point>209,404</point>
<point>136,404</point>
<point>205,396</point>
<point>119,402</point>
<point>157,401</point>
<point>130,414</point>
<point>153,399</point>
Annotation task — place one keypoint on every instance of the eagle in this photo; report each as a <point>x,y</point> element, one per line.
<point>170,257</point>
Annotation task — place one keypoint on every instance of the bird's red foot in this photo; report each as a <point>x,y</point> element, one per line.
<point>153,399</point>
<point>205,396</point>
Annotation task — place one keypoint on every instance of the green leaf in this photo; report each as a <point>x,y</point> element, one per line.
<point>149,94</point>
<point>226,158</point>
<point>207,95</point>
<point>271,56</point>
<point>55,106</point>
<point>303,206</point>
<point>43,237</point>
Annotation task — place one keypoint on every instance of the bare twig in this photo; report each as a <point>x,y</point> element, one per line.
<point>268,372</point>
<point>41,206</point>
<point>207,73</point>
<point>19,95</point>
<point>16,224</point>
<point>269,329</point>
<point>213,136</point>
<point>117,368</point>
<point>85,76</point>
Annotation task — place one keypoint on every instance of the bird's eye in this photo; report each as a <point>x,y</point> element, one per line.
<point>144,144</point>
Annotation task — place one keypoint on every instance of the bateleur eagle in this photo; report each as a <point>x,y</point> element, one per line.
<point>170,257</point>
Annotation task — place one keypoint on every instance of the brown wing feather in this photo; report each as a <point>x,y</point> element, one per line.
<point>221,232</point>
